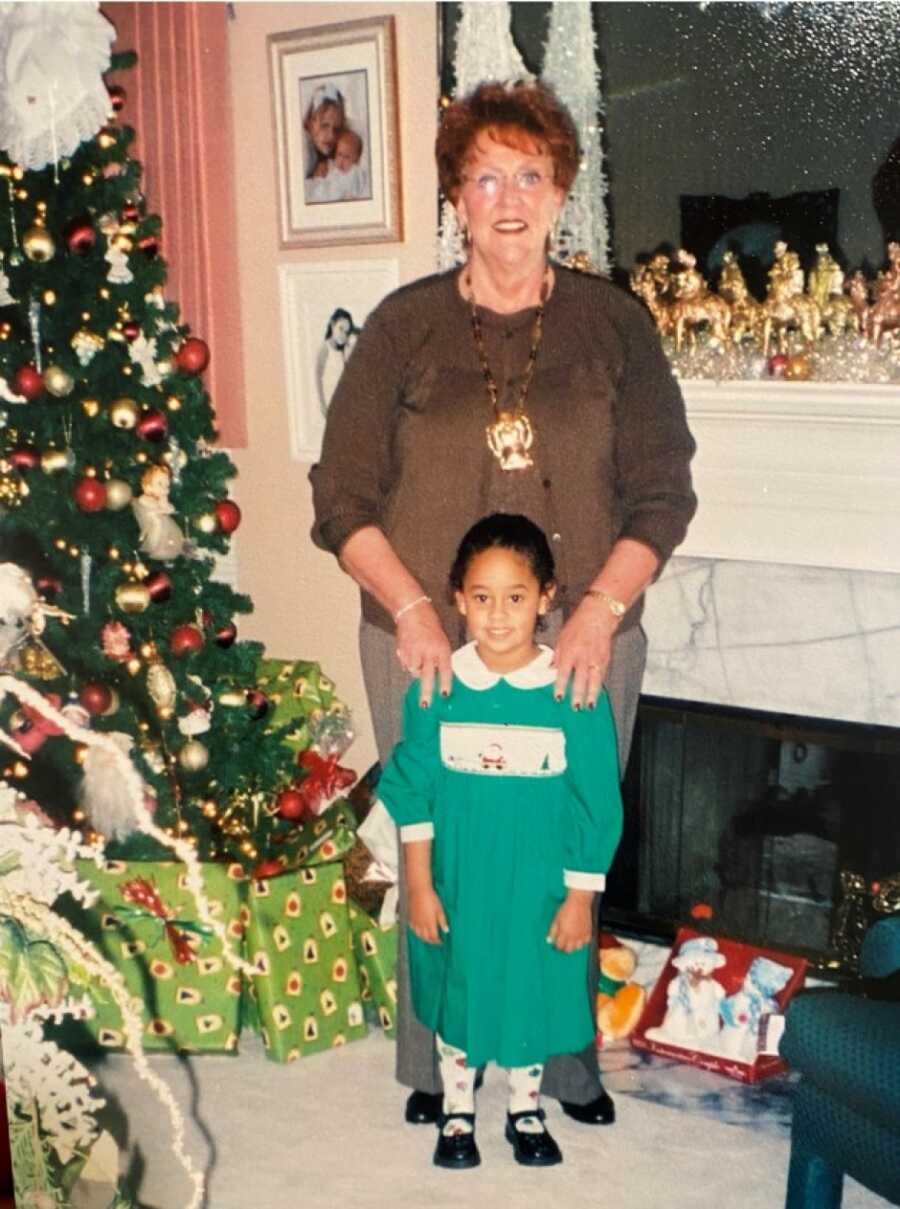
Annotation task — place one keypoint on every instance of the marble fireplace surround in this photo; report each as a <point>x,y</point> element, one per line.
<point>786,595</point>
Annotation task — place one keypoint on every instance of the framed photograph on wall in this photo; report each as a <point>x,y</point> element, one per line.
<point>323,308</point>
<point>337,146</point>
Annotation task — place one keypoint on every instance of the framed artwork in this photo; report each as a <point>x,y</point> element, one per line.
<point>337,146</point>
<point>323,308</point>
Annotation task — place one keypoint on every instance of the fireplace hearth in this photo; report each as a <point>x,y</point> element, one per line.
<point>770,827</point>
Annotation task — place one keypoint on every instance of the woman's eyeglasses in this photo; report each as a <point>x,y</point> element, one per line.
<point>526,180</point>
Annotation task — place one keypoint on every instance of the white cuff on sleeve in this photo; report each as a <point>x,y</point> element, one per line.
<point>416,831</point>
<point>584,881</point>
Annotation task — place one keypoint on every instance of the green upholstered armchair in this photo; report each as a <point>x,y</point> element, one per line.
<point>847,1106</point>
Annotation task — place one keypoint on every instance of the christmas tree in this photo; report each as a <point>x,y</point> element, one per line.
<point>114,508</point>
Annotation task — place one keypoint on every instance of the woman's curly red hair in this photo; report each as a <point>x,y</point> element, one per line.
<point>523,115</point>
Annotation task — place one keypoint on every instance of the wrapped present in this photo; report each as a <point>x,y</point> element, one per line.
<point>304,700</point>
<point>307,993</point>
<point>145,924</point>
<point>375,950</point>
<point>314,841</point>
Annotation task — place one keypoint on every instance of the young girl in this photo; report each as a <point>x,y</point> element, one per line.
<point>509,813</point>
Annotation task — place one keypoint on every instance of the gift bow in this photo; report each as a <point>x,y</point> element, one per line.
<point>149,905</point>
<point>324,779</point>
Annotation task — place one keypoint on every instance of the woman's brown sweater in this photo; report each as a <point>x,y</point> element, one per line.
<point>405,446</point>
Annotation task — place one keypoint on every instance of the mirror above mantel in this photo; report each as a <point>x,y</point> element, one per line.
<point>802,473</point>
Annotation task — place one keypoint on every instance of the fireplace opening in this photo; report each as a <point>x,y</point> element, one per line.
<point>775,830</point>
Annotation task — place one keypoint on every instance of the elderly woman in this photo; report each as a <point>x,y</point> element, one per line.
<point>511,385</point>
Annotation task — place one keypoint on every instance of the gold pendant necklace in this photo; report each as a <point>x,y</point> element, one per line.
<point>510,435</point>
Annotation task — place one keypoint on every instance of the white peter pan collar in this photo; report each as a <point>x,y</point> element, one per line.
<point>468,667</point>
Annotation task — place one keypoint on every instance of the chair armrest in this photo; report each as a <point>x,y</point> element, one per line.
<point>880,954</point>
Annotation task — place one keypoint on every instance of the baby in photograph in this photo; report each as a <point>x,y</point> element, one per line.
<point>346,178</point>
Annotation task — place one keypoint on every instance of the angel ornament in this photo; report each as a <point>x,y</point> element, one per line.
<point>509,438</point>
<point>160,537</point>
<point>117,258</point>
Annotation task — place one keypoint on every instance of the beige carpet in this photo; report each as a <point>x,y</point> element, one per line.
<point>327,1132</point>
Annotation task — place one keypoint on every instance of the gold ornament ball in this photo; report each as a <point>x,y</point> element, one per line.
<point>37,244</point>
<point>91,407</point>
<point>124,413</point>
<point>798,368</point>
<point>149,651</point>
<point>58,382</point>
<point>49,298</point>
<point>118,494</point>
<point>132,598</point>
<point>55,460</point>
<point>193,756</point>
<point>133,666</point>
<point>206,522</point>
<point>209,809</point>
<point>165,712</point>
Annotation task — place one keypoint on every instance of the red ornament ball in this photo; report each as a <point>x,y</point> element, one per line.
<point>291,804</point>
<point>185,639</point>
<point>117,97</point>
<point>226,635</point>
<point>90,495</point>
<point>159,585</point>
<point>25,457</point>
<point>80,235</point>
<point>149,245</point>
<point>96,698</point>
<point>152,425</point>
<point>193,356</point>
<point>228,515</point>
<point>28,382</point>
<point>130,212</point>
<point>777,365</point>
<point>258,703</point>
<point>131,330</point>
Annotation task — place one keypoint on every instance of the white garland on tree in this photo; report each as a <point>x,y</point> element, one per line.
<point>484,51</point>
<point>570,66</point>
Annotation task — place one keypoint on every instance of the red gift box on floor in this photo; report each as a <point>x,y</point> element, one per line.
<point>718,1005</point>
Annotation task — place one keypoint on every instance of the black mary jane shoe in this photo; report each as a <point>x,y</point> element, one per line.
<point>600,1111</point>
<point>424,1107</point>
<point>456,1150</point>
<point>531,1149</point>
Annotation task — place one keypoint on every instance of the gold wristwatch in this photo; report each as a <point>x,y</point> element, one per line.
<point>616,607</point>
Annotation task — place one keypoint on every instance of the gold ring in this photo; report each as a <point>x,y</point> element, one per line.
<point>594,667</point>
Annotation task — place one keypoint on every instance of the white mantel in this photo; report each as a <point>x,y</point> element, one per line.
<point>786,595</point>
<point>806,473</point>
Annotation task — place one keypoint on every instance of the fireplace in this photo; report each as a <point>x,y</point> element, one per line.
<point>775,827</point>
<point>766,770</point>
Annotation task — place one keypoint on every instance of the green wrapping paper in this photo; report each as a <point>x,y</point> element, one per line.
<point>301,693</point>
<point>189,995</point>
<point>375,950</point>
<point>298,937</point>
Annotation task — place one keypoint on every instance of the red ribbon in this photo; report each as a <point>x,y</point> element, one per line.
<point>324,779</point>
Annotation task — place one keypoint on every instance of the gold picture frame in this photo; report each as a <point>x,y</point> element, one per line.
<point>337,145</point>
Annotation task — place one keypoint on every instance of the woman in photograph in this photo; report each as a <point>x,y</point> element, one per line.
<point>340,337</point>
<point>510,385</point>
<point>323,122</point>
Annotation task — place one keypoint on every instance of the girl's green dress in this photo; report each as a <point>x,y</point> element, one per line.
<point>522,794</point>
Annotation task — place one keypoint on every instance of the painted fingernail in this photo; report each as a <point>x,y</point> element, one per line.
<point>593,705</point>
<point>557,697</point>
<point>576,705</point>
<point>424,704</point>
<point>445,692</point>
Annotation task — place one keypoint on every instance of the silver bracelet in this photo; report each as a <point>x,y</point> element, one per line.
<point>412,604</point>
